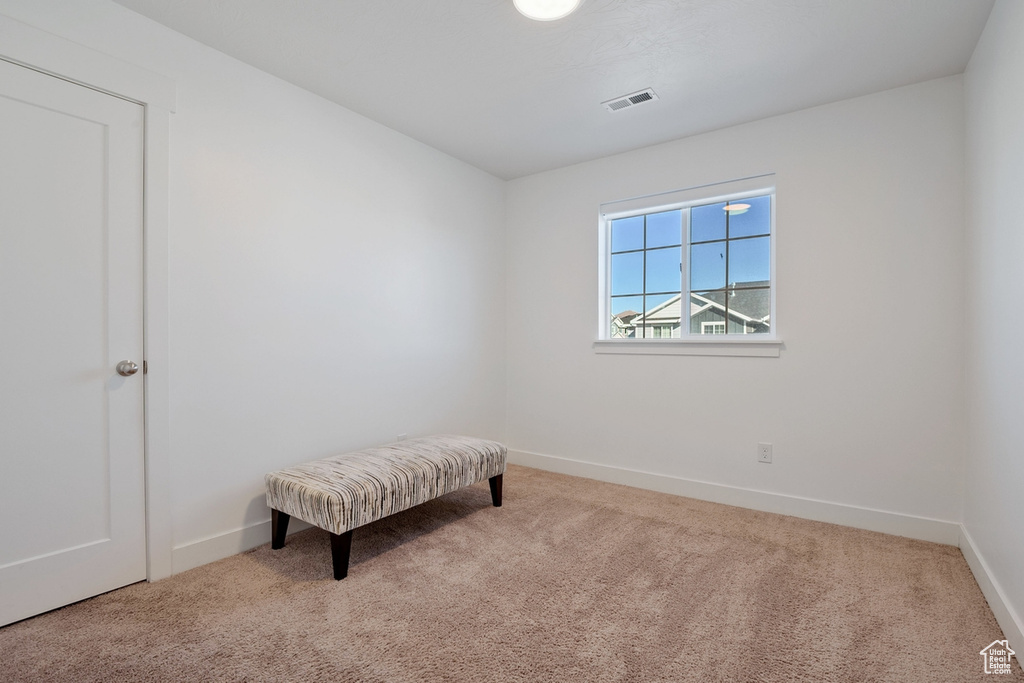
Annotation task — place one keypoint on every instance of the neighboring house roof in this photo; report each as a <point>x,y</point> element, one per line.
<point>625,316</point>
<point>743,305</point>
<point>666,312</point>
<point>750,300</point>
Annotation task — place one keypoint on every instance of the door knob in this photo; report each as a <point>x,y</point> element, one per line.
<point>126,368</point>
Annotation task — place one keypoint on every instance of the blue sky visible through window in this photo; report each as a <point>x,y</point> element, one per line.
<point>727,248</point>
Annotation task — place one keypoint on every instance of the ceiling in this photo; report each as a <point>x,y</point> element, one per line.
<point>512,96</point>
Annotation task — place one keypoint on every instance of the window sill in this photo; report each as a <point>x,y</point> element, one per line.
<point>765,348</point>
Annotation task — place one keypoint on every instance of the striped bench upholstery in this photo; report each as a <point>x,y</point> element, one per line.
<point>344,492</point>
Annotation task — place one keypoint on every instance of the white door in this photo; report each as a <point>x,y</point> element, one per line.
<point>72,478</point>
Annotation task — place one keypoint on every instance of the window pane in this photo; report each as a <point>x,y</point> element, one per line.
<point>627,304</point>
<point>653,302</point>
<point>628,233</point>
<point>707,222</point>
<point>665,229</point>
<point>663,272</point>
<point>707,266</point>
<point>659,310</point>
<point>707,312</point>
<point>750,261</point>
<point>737,311</point>
<point>628,273</point>
<point>624,309</point>
<point>749,310</point>
<point>757,220</point>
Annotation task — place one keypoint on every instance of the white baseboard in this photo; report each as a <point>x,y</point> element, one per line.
<point>922,528</point>
<point>1008,619</point>
<point>213,548</point>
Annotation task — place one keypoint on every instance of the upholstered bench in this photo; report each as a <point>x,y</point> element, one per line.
<point>341,493</point>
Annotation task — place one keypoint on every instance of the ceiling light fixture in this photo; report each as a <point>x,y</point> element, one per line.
<point>546,10</point>
<point>736,209</point>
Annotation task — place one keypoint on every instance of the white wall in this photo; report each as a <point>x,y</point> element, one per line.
<point>865,404</point>
<point>994,503</point>
<point>332,283</point>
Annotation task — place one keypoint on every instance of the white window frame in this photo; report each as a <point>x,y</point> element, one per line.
<point>729,344</point>
<point>710,324</point>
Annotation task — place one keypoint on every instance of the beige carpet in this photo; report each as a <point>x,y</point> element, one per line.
<point>572,580</point>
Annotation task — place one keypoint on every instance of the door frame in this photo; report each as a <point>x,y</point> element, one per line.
<point>30,47</point>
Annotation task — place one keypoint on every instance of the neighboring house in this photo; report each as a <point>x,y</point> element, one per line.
<point>621,327</point>
<point>744,310</point>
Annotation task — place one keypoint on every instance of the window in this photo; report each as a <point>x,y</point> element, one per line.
<point>712,328</point>
<point>646,259</point>
<point>691,264</point>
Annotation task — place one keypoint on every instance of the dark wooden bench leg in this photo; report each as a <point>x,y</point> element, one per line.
<point>341,548</point>
<point>495,483</point>
<point>278,528</point>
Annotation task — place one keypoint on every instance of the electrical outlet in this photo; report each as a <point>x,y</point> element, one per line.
<point>401,437</point>
<point>764,452</point>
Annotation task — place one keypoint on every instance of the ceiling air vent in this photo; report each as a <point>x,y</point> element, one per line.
<point>631,100</point>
